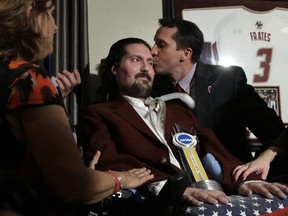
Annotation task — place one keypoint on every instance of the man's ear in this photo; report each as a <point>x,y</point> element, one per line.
<point>113,70</point>
<point>29,8</point>
<point>187,53</point>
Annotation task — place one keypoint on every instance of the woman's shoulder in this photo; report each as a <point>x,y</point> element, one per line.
<point>13,69</point>
<point>29,84</point>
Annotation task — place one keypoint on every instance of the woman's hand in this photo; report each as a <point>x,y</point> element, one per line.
<point>260,164</point>
<point>67,81</point>
<point>95,160</point>
<point>134,177</point>
<point>129,179</point>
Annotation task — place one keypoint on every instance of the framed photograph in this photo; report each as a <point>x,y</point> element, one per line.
<point>271,95</point>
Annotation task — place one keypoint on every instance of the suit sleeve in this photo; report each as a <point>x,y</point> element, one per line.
<point>281,141</point>
<point>259,118</point>
<point>95,133</point>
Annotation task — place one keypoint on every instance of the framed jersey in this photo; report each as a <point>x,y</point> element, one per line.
<point>250,34</point>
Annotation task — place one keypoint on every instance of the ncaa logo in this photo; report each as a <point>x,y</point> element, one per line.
<point>185,139</point>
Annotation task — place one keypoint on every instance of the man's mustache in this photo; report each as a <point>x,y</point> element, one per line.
<point>142,74</point>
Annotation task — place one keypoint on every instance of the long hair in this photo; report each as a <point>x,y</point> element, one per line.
<point>19,36</point>
<point>109,88</point>
<point>188,35</point>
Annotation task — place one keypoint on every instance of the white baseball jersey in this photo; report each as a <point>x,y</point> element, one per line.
<point>256,41</point>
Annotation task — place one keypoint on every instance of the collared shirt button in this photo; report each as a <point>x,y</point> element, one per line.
<point>163,160</point>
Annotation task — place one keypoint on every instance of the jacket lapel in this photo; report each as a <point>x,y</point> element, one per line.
<point>171,119</point>
<point>203,93</point>
<point>124,110</point>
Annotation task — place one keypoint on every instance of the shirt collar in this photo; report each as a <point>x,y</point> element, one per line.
<point>186,80</point>
<point>135,101</point>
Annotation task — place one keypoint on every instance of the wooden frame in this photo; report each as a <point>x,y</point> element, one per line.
<point>173,8</point>
<point>271,95</point>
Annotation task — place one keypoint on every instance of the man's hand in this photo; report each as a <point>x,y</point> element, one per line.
<point>67,81</point>
<point>197,196</point>
<point>265,189</point>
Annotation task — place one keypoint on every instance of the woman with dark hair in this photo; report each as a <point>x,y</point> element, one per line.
<point>36,137</point>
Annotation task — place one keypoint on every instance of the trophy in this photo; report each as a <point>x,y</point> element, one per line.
<point>190,161</point>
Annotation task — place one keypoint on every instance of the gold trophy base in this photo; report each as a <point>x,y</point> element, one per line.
<point>208,185</point>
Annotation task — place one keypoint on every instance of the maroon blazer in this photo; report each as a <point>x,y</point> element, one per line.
<point>126,142</point>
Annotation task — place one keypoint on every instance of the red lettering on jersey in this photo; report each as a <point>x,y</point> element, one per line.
<point>268,37</point>
<point>265,65</point>
<point>253,36</point>
<point>260,36</point>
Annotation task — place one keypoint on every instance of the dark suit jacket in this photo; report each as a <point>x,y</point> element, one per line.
<point>126,141</point>
<point>282,139</point>
<point>229,106</point>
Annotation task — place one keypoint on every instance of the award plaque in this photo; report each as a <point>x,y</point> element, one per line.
<point>191,162</point>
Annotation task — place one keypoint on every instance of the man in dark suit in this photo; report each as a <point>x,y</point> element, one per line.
<point>224,101</point>
<point>124,131</point>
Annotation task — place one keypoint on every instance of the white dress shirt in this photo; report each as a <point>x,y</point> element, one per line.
<point>143,111</point>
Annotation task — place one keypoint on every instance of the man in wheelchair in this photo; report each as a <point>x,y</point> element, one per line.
<point>133,131</point>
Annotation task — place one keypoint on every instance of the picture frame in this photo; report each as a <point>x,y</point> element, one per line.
<point>266,92</point>
<point>174,8</point>
<point>271,95</point>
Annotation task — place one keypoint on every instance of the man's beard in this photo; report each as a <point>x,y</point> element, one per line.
<point>138,90</point>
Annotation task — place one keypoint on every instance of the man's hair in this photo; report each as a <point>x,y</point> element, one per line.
<point>188,35</point>
<point>109,88</point>
<point>19,36</point>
